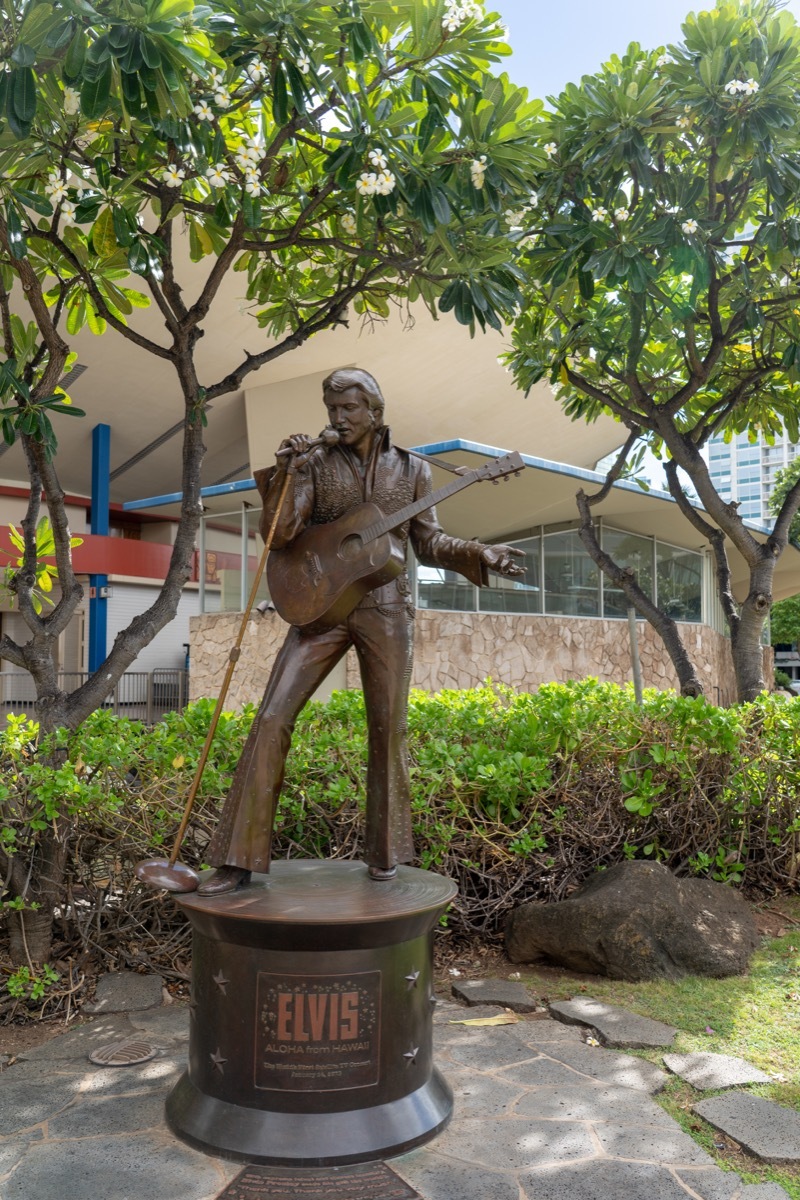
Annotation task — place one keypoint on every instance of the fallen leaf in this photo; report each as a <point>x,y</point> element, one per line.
<point>503,1019</point>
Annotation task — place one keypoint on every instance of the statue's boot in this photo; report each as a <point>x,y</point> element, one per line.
<point>224,879</point>
<point>382,872</point>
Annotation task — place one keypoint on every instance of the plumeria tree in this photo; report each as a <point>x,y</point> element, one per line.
<point>664,279</point>
<point>340,157</point>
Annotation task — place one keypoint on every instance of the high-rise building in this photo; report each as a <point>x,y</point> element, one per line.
<point>745,471</point>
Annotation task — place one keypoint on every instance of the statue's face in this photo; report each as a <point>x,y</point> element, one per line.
<point>350,415</point>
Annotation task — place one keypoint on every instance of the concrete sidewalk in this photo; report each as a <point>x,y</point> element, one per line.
<point>539,1115</point>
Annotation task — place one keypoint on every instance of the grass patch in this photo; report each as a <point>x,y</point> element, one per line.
<point>755,1016</point>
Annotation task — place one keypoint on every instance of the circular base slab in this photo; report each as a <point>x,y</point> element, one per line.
<point>312,1003</point>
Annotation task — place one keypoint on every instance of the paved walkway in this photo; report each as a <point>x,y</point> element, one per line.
<point>539,1115</point>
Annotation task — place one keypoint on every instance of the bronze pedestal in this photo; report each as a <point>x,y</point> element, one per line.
<point>311,1029</point>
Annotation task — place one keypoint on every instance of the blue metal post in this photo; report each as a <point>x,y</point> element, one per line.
<point>98,602</point>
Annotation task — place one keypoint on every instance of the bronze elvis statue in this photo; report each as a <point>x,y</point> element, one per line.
<point>325,484</point>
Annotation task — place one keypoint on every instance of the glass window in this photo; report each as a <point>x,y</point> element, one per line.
<point>679,581</point>
<point>570,577</point>
<point>629,550</point>
<point>441,589</point>
<point>516,595</point>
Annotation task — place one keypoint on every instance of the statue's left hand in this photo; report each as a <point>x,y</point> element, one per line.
<point>501,560</point>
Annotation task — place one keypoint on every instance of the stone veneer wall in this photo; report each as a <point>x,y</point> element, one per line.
<point>460,650</point>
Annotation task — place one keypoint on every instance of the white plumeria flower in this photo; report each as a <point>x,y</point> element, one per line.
<point>303,63</point>
<point>253,153</point>
<point>367,183</point>
<point>662,60</point>
<point>734,86</point>
<point>599,214</point>
<point>217,175</point>
<point>72,101</point>
<point>683,122</point>
<point>750,88</point>
<point>216,77</point>
<point>551,149</point>
<point>621,214</point>
<point>252,176</point>
<point>385,183</point>
<point>56,189</point>
<point>202,111</point>
<point>378,159</point>
<point>68,212</point>
<point>253,187</point>
<point>689,226</point>
<point>348,223</point>
<point>256,71</point>
<point>173,176</point>
<point>222,99</point>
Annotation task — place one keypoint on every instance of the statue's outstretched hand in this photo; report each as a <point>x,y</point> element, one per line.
<point>501,560</point>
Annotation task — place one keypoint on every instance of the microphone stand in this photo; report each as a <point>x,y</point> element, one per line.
<point>169,873</point>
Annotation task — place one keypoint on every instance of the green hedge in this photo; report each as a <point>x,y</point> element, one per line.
<point>517,796</point>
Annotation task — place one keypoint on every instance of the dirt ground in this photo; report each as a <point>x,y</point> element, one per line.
<point>471,962</point>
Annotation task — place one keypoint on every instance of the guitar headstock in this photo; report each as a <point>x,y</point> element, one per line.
<point>501,468</point>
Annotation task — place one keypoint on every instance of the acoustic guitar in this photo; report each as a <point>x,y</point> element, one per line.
<point>318,579</point>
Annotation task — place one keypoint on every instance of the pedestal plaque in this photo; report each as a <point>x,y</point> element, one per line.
<point>311,1030</point>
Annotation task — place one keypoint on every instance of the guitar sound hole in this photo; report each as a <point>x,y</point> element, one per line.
<point>350,548</point>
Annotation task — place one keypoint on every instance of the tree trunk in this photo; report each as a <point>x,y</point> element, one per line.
<point>625,579</point>
<point>747,651</point>
<point>31,935</point>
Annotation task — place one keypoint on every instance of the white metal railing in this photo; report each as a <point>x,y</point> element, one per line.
<point>144,695</point>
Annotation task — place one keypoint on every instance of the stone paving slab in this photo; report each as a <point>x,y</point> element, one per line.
<point>25,1104</point>
<point>764,1191</point>
<point>765,1129</point>
<point>102,1116</point>
<point>485,1049</point>
<point>650,1143</point>
<point>146,1167</point>
<point>535,1031</point>
<point>543,1072</point>
<point>710,1182</point>
<point>516,1143</point>
<point>623,1070</point>
<point>505,992</point>
<point>594,1102</point>
<point>617,1027</point>
<point>125,991</point>
<point>437,1177</point>
<point>170,1023</point>
<point>158,1074</point>
<point>603,1179</point>
<point>79,1041</point>
<point>480,1096</point>
<point>708,1072</point>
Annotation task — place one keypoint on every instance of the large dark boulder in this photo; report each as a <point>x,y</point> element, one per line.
<point>638,921</point>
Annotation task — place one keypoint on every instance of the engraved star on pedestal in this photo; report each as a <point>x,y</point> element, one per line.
<point>411,979</point>
<point>411,1056</point>
<point>220,981</point>
<point>218,1060</point>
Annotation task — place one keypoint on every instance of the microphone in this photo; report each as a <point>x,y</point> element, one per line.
<point>328,437</point>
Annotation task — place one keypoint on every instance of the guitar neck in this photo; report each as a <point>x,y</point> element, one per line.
<point>412,510</point>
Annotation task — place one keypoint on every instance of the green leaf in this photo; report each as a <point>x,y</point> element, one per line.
<point>74,58</point>
<point>95,92</point>
<point>138,258</point>
<point>16,236</point>
<point>280,100</point>
<point>104,238</point>
<point>22,95</point>
<point>23,56</point>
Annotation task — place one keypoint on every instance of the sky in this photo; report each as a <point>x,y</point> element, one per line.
<point>557,41</point>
